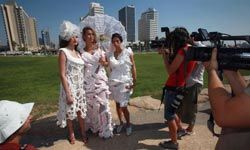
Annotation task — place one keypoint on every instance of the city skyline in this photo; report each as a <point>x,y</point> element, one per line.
<point>148,25</point>
<point>94,8</point>
<point>20,28</point>
<point>127,19</point>
<point>226,16</point>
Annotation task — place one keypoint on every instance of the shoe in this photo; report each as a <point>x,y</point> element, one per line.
<point>85,138</point>
<point>181,133</point>
<point>119,128</point>
<point>129,130</point>
<point>169,145</point>
<point>190,133</point>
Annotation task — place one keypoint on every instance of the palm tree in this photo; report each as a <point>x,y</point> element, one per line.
<point>14,44</point>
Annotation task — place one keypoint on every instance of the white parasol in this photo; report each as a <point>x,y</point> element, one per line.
<point>104,26</point>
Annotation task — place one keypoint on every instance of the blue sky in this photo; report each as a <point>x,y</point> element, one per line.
<point>227,16</point>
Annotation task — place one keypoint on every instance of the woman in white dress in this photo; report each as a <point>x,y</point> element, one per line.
<point>99,119</point>
<point>122,79</point>
<point>72,100</point>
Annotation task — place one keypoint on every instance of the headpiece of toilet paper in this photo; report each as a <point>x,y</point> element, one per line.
<point>68,30</point>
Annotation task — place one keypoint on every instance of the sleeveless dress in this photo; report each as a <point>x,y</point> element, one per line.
<point>99,117</point>
<point>120,76</point>
<point>75,80</point>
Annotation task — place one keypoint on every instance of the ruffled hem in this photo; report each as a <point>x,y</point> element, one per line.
<point>108,132</point>
<point>62,123</point>
<point>99,118</point>
<point>123,103</point>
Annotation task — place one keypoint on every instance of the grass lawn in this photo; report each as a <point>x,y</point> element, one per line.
<point>26,79</point>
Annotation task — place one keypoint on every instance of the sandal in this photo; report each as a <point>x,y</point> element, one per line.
<point>181,133</point>
<point>169,145</point>
<point>85,138</point>
<point>72,139</point>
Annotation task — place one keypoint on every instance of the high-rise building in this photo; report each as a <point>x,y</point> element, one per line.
<point>94,8</point>
<point>127,18</point>
<point>148,25</point>
<point>46,38</point>
<point>20,27</point>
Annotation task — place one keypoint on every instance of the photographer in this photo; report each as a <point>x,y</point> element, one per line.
<point>230,113</point>
<point>188,108</point>
<point>178,72</point>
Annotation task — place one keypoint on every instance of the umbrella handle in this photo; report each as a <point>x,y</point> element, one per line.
<point>97,69</point>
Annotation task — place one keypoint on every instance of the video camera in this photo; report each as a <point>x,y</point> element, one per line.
<point>228,58</point>
<point>158,43</point>
<point>232,58</point>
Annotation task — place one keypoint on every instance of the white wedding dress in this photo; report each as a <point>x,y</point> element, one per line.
<point>99,117</point>
<point>120,76</point>
<point>75,79</point>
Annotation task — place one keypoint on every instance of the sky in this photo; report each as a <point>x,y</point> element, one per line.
<point>226,16</point>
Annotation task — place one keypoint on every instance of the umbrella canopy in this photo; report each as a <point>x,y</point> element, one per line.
<point>104,26</point>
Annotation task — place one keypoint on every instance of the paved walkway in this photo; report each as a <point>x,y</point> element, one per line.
<point>148,130</point>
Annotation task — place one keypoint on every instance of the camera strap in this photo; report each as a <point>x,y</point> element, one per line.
<point>176,74</point>
<point>185,68</point>
<point>210,125</point>
<point>162,96</point>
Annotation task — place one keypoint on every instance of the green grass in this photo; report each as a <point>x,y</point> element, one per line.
<point>151,74</point>
<point>26,79</point>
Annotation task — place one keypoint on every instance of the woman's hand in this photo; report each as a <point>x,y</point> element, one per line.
<point>103,61</point>
<point>69,99</point>
<point>162,50</point>
<point>212,64</point>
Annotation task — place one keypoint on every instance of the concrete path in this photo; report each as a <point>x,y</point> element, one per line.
<point>148,130</point>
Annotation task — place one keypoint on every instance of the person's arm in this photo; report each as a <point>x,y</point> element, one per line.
<point>171,68</point>
<point>62,72</point>
<point>133,70</point>
<point>228,111</point>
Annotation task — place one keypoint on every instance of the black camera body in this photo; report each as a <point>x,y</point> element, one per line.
<point>158,43</point>
<point>203,35</point>
<point>228,58</point>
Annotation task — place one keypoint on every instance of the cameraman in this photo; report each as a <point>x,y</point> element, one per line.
<point>188,108</point>
<point>178,72</point>
<point>231,113</point>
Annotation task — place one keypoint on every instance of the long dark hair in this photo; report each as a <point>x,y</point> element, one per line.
<point>178,39</point>
<point>117,35</point>
<point>64,43</point>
